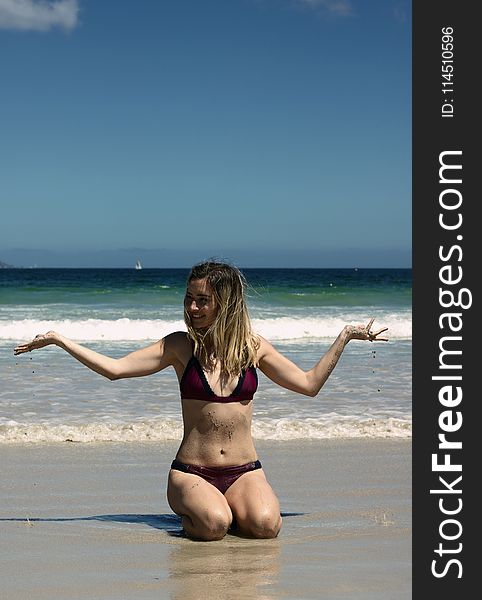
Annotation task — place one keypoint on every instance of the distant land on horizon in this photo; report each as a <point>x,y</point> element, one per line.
<point>388,258</point>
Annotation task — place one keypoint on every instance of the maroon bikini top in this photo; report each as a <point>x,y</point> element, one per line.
<point>195,386</point>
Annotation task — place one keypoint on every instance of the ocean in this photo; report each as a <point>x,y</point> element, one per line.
<point>47,396</point>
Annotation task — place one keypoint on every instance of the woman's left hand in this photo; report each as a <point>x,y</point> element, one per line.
<point>364,332</point>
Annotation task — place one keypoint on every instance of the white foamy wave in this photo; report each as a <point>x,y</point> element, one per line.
<point>91,329</point>
<point>282,328</point>
<point>338,427</point>
<point>287,328</point>
<point>165,430</point>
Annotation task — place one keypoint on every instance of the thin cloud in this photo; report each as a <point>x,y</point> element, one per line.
<point>38,15</point>
<point>400,12</point>
<point>341,8</point>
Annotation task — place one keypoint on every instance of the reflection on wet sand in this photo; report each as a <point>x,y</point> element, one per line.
<point>231,568</point>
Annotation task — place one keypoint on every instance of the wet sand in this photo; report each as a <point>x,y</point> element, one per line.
<point>91,521</point>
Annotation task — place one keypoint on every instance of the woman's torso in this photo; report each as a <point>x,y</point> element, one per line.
<point>216,433</point>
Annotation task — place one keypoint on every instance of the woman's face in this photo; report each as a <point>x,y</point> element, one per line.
<point>199,303</point>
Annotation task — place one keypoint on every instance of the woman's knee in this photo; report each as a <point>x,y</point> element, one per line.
<point>211,526</point>
<point>263,525</point>
<point>205,513</point>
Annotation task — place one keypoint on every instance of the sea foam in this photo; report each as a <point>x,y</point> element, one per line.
<point>278,328</point>
<point>161,430</point>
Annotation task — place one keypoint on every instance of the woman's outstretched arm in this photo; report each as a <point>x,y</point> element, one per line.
<point>145,361</point>
<point>287,374</point>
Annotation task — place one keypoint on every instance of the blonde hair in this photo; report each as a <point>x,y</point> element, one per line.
<point>230,339</point>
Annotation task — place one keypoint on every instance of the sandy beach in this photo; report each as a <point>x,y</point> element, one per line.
<point>82,521</point>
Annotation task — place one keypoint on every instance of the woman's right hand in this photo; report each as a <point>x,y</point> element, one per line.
<point>364,332</point>
<point>39,341</point>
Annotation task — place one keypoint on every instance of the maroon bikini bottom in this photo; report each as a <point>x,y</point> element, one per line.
<point>220,477</point>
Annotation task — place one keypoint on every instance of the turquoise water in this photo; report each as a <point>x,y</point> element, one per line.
<point>47,396</point>
<point>308,299</point>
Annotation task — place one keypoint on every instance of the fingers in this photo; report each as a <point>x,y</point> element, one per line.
<point>21,350</point>
<point>24,347</point>
<point>380,331</point>
<point>373,335</point>
<point>28,347</point>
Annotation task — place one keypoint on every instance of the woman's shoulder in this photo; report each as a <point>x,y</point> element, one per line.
<point>261,340</point>
<point>177,339</point>
<point>178,346</point>
<point>263,346</point>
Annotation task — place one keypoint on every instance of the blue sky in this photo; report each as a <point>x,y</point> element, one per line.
<point>268,132</point>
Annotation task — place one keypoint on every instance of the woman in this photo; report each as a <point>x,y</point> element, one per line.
<point>216,480</point>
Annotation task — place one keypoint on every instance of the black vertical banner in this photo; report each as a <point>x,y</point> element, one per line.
<point>446,249</point>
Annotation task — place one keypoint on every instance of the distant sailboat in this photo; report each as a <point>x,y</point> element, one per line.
<point>138,265</point>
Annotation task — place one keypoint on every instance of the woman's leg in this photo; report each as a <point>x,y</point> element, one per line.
<point>204,510</point>
<point>254,505</point>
